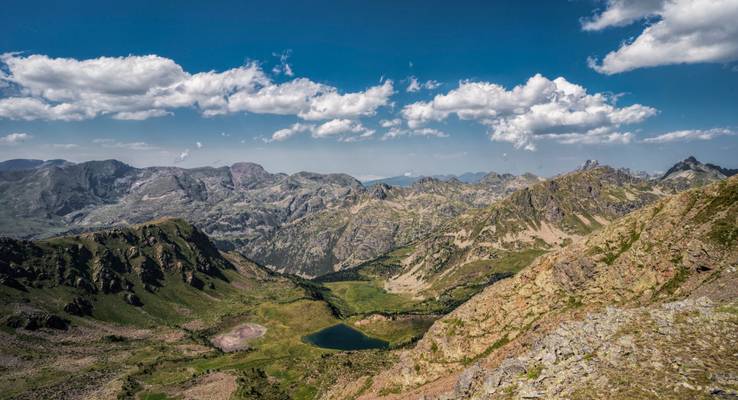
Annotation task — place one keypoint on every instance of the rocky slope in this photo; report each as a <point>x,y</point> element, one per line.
<point>685,245</point>
<point>684,348</point>
<point>535,219</point>
<point>302,223</point>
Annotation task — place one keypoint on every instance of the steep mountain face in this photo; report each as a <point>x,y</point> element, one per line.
<point>121,260</point>
<point>684,246</point>
<point>691,173</point>
<point>539,218</point>
<point>302,223</point>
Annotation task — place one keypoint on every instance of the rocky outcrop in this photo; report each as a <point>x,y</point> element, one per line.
<point>79,306</point>
<point>624,353</point>
<point>32,320</point>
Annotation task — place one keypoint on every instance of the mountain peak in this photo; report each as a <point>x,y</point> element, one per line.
<point>589,164</point>
<point>691,172</point>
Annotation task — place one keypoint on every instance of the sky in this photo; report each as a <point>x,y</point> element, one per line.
<point>373,88</point>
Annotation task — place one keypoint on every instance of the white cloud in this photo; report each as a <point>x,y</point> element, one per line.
<point>14,138</point>
<point>390,123</point>
<point>541,108</point>
<point>140,115</point>
<point>199,145</point>
<point>182,156</point>
<point>341,126</point>
<point>684,32</point>
<point>343,130</point>
<point>27,109</point>
<point>428,132</point>
<point>286,133</point>
<point>690,135</point>
<point>330,104</point>
<point>396,132</point>
<point>114,144</point>
<point>65,146</point>
<point>416,86</point>
<point>284,67</point>
<point>141,87</point>
<point>622,13</point>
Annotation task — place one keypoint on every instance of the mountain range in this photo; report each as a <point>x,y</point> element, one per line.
<point>330,221</point>
<point>165,283</point>
<point>407,180</point>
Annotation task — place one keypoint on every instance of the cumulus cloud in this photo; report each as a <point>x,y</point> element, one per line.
<point>286,133</point>
<point>199,145</point>
<point>690,135</point>
<point>622,13</point>
<point>14,138</point>
<point>390,123</point>
<point>539,109</point>
<point>415,86</point>
<point>344,130</point>
<point>341,126</point>
<point>330,104</point>
<point>684,32</point>
<point>142,87</point>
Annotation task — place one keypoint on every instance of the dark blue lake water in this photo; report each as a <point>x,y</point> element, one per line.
<point>344,337</point>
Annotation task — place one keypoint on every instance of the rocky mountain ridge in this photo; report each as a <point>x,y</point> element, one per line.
<point>303,223</point>
<point>690,173</point>
<point>535,219</point>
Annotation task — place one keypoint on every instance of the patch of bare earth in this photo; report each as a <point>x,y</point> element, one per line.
<point>194,325</point>
<point>215,386</point>
<point>239,337</point>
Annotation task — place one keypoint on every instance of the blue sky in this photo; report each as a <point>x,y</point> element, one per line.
<point>348,64</point>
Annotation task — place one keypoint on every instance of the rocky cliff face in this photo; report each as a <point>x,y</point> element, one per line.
<point>685,245</point>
